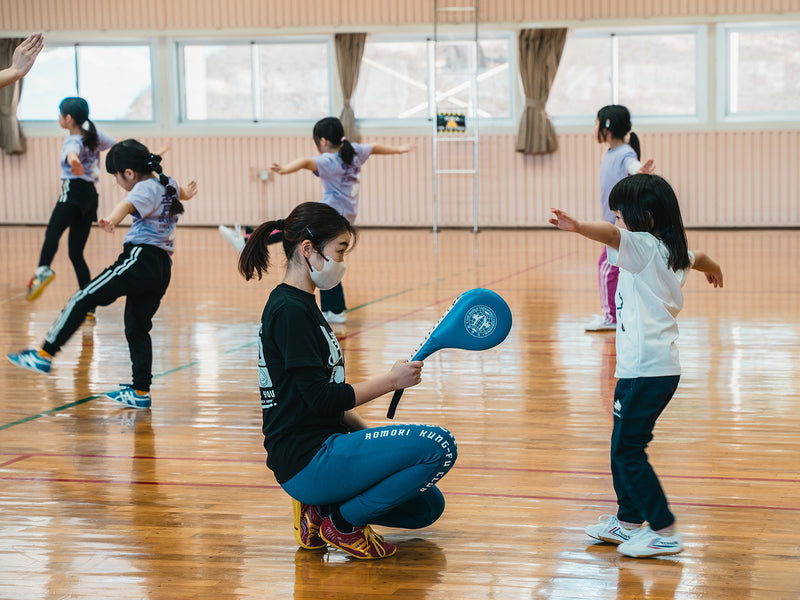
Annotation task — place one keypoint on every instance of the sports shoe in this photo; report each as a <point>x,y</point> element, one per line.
<point>608,529</point>
<point>598,323</point>
<point>41,278</point>
<point>306,525</point>
<point>362,542</point>
<point>335,317</point>
<point>646,542</point>
<point>30,359</point>
<point>234,236</point>
<point>129,397</point>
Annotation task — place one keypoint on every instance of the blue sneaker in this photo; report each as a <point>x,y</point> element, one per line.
<point>127,396</point>
<point>30,359</point>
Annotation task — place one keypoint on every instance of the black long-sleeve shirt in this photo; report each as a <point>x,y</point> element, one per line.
<point>301,378</point>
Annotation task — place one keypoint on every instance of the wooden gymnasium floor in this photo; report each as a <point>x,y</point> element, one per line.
<point>176,502</point>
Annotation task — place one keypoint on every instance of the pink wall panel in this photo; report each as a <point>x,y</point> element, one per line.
<point>80,15</point>
<point>723,179</point>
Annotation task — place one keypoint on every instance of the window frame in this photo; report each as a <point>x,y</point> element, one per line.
<point>724,66</point>
<point>425,123</point>
<point>151,43</point>
<point>701,74</point>
<point>177,68</point>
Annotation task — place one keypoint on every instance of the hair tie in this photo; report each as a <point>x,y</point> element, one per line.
<point>279,224</point>
<point>343,139</point>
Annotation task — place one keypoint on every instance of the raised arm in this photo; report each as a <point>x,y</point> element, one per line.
<point>21,62</point>
<point>384,149</point>
<point>599,231</point>
<point>295,165</point>
<point>704,263</point>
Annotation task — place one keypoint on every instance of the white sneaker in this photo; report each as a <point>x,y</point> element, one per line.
<point>334,317</point>
<point>646,542</point>
<point>608,529</point>
<point>234,236</point>
<point>598,323</point>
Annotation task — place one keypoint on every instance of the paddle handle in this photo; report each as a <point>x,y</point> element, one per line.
<point>393,404</point>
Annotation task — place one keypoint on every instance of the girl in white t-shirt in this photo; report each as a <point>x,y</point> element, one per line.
<point>648,244</point>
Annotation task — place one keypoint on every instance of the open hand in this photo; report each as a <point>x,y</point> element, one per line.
<point>648,167</point>
<point>562,220</point>
<point>25,54</point>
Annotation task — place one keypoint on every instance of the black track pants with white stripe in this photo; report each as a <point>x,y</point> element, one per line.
<point>142,274</point>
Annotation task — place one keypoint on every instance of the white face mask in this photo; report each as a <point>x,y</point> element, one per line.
<point>331,274</point>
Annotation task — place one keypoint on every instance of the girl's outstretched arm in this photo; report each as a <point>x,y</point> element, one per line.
<point>188,191</point>
<point>713,272</point>
<point>384,149</point>
<point>121,210</point>
<point>647,167</point>
<point>75,166</point>
<point>599,231</point>
<point>295,165</point>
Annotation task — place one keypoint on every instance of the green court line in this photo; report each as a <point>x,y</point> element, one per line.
<point>49,412</point>
<point>96,396</point>
<point>193,363</point>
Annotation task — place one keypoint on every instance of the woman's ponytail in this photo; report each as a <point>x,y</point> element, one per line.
<point>254,258</point>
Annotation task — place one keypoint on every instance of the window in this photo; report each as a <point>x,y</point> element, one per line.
<point>605,67</point>
<point>289,80</point>
<point>763,70</point>
<point>393,80</point>
<point>116,81</point>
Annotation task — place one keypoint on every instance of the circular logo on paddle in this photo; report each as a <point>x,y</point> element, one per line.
<point>480,321</point>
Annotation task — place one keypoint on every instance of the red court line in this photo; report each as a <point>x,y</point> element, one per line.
<point>14,460</point>
<point>614,501</point>
<point>261,461</point>
<point>449,493</point>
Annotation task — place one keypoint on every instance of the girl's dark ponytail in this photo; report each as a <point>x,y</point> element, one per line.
<point>153,164</point>
<point>347,152</point>
<point>90,136</point>
<point>332,130</point>
<point>77,108</point>
<point>633,142</point>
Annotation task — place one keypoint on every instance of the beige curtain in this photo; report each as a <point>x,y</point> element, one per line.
<point>539,54</point>
<point>11,138</point>
<point>349,50</point>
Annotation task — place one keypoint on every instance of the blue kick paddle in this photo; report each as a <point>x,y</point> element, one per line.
<point>478,319</point>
